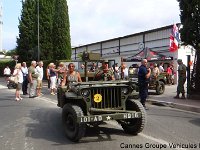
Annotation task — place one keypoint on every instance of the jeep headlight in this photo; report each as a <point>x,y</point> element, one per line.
<point>125,91</point>
<point>85,93</point>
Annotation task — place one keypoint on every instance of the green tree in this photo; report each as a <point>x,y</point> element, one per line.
<point>61,31</point>
<point>25,41</point>
<point>11,52</point>
<point>54,34</point>
<point>190,32</point>
<point>45,29</point>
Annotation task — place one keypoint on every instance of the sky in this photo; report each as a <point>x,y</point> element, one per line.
<point>98,20</point>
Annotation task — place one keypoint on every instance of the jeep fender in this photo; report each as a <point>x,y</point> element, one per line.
<point>72,95</point>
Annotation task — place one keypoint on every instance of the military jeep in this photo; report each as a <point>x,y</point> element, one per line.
<point>95,102</point>
<point>157,84</point>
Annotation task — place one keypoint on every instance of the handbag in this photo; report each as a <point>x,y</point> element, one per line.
<point>14,79</point>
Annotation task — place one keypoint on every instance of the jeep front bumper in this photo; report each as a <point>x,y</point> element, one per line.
<point>107,117</point>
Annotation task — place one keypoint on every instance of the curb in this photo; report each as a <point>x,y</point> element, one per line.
<point>174,105</point>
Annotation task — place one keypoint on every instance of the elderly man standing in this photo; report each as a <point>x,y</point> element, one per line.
<point>143,80</point>
<point>40,72</point>
<point>32,75</point>
<point>181,79</point>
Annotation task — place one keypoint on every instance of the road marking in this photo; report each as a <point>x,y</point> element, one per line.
<point>3,87</point>
<point>46,99</point>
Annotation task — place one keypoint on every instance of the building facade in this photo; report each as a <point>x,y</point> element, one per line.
<point>115,49</point>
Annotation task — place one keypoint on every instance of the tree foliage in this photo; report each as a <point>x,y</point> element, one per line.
<point>26,39</point>
<point>54,33</point>
<point>61,31</point>
<point>190,32</point>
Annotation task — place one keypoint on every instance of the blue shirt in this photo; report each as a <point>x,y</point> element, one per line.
<point>142,75</point>
<point>52,73</point>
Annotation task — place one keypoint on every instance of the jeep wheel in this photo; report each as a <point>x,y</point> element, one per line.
<point>73,130</point>
<point>134,96</point>
<point>136,125</point>
<point>160,88</point>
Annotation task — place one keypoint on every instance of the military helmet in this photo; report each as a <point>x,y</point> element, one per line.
<point>104,61</point>
<point>179,60</point>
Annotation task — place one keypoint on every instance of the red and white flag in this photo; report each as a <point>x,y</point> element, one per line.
<point>174,39</point>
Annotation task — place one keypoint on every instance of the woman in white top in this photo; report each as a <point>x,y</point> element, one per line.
<point>18,73</point>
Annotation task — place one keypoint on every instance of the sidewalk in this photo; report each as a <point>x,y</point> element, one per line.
<point>167,99</point>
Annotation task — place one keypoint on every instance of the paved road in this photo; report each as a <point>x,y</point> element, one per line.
<point>35,124</point>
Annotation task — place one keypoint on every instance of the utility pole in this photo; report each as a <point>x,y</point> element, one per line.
<point>1,26</point>
<point>38,13</point>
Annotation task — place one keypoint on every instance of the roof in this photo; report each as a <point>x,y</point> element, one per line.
<point>135,34</point>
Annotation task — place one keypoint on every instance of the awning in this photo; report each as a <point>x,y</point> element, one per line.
<point>148,54</point>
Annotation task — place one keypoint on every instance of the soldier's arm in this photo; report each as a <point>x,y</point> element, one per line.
<point>112,75</point>
<point>98,75</point>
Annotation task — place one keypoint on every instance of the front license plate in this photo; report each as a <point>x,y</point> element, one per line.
<point>91,118</point>
<point>107,117</point>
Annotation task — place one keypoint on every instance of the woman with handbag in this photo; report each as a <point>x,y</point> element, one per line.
<point>19,76</point>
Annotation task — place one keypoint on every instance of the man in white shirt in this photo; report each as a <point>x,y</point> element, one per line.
<point>39,70</point>
<point>161,69</point>
<point>7,72</point>
<point>24,70</point>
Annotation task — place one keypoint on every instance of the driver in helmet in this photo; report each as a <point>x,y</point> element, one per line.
<point>104,73</point>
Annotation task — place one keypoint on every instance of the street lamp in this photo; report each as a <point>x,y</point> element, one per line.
<point>38,13</point>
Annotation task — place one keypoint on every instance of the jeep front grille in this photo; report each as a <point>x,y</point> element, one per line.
<point>111,97</point>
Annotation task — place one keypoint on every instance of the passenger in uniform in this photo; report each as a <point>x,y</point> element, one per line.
<point>143,81</point>
<point>181,79</point>
<point>104,73</point>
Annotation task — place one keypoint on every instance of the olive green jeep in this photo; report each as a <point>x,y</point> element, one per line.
<point>158,83</point>
<point>92,103</point>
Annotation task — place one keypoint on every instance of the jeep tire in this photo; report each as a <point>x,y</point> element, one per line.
<point>160,88</point>
<point>135,125</point>
<point>73,130</point>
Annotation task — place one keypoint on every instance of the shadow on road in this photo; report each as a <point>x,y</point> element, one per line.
<point>47,125</point>
<point>195,121</point>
